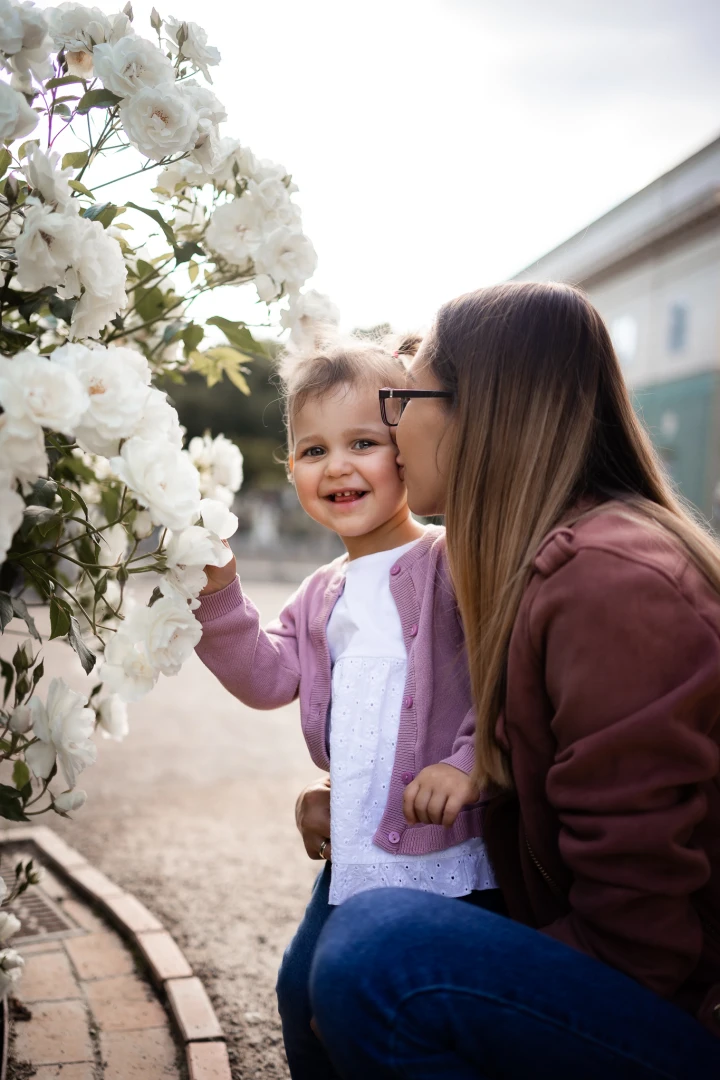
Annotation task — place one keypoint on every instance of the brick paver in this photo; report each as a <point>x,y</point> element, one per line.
<point>134,915</point>
<point>147,1055</point>
<point>208,1061</point>
<point>192,1009</point>
<point>58,1033</point>
<point>47,977</point>
<point>83,916</point>
<point>164,957</point>
<point>98,956</point>
<point>65,1072</point>
<point>124,1003</point>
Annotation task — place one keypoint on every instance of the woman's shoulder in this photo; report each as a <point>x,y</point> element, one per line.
<point>616,555</point>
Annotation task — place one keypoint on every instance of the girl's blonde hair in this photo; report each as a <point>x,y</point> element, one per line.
<point>542,420</point>
<point>313,373</point>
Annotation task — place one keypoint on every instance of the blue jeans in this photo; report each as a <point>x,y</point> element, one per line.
<point>307,1058</point>
<point>406,984</point>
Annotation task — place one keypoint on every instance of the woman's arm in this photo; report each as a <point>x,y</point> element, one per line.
<point>633,672</point>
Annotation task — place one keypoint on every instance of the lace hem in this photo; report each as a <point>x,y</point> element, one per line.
<point>455,875</point>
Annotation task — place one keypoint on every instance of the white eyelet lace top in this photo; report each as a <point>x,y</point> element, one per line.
<point>369,672</point>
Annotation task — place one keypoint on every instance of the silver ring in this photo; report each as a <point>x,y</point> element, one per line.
<point>321,852</point>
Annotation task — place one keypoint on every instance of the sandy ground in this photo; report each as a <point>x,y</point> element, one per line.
<point>193,812</point>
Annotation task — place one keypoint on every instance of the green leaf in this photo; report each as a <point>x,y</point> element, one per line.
<point>97,99</point>
<point>43,492</point>
<point>238,335</point>
<point>88,658</point>
<point>5,159</point>
<point>27,147</point>
<point>39,515</point>
<point>184,252</point>
<point>77,186</point>
<point>76,160</point>
<point>157,217</point>
<point>64,81</point>
<point>193,270</point>
<point>20,774</point>
<point>38,672</point>
<point>102,212</point>
<point>8,674</point>
<point>62,309</point>
<point>11,807</point>
<point>219,361</point>
<point>61,110</point>
<point>150,302</point>
<point>6,610</point>
<point>192,336</point>
<point>20,609</point>
<point>59,618</point>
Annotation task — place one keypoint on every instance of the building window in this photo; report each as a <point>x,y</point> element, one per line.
<point>677,328</point>
<point>624,332</point>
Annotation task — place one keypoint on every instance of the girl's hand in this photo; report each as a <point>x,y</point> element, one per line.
<point>437,795</point>
<point>219,576</point>
<point>312,817</point>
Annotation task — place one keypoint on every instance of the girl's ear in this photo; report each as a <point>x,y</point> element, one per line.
<point>289,467</point>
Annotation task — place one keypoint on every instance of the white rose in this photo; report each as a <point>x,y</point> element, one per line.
<point>35,389</point>
<point>131,63</point>
<point>33,58</point>
<point>11,965</point>
<point>114,546</point>
<point>116,381</point>
<point>287,256</point>
<point>46,246</point>
<point>186,555</point>
<point>210,112</point>
<point>11,28</point>
<point>267,290</point>
<point>218,519</point>
<point>12,507</point>
<point>195,48</point>
<point>112,717</point>
<point>127,670</point>
<point>22,451</point>
<point>142,525</point>
<point>235,231</point>
<point>9,925</point>
<point>306,313</point>
<point>77,29</point>
<point>43,176</point>
<point>232,163</point>
<point>21,720</point>
<point>272,195</point>
<point>162,479</point>
<point>219,463</point>
<point>63,726</point>
<point>16,117</point>
<point>160,121</point>
<point>70,800</point>
<point>159,420</point>
<point>98,272</point>
<point>172,634</point>
<point>178,177</point>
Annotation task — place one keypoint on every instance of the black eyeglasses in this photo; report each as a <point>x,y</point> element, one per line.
<point>393,402</point>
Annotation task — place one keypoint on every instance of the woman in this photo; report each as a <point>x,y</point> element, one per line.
<point>590,599</point>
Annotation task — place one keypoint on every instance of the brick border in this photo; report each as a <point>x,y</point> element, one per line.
<point>167,967</point>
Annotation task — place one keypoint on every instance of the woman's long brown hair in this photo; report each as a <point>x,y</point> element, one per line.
<point>543,421</point>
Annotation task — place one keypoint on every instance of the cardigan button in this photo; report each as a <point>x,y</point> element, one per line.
<point>394,837</point>
<point>408,702</point>
<point>395,570</point>
<point>407,777</point>
<point>413,630</point>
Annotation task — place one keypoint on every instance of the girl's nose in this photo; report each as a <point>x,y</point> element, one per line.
<point>337,465</point>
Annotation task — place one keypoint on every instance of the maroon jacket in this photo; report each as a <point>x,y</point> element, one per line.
<point>612,721</point>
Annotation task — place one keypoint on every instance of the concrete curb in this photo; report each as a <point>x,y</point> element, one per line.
<point>168,968</point>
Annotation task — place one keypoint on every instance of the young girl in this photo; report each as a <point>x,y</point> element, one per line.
<point>373,647</point>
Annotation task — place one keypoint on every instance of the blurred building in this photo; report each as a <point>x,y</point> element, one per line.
<point>652,268</point>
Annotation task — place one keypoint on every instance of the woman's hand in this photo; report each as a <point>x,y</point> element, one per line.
<point>312,817</point>
<point>218,577</point>
<point>437,795</point>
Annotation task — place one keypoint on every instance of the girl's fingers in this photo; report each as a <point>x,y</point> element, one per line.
<point>312,842</point>
<point>436,807</point>
<point>409,803</point>
<point>421,805</point>
<point>452,808</point>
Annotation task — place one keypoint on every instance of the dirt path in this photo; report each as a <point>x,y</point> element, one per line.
<point>194,814</point>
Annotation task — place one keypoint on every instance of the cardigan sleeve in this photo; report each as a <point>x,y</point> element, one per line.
<point>260,667</point>
<point>463,751</point>
<point>632,670</point>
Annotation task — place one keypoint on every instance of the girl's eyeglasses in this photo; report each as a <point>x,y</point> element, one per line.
<point>393,402</point>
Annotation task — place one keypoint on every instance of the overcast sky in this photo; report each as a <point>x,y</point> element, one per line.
<point>444,144</point>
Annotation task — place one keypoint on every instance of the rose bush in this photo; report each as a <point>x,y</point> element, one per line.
<point>96,307</point>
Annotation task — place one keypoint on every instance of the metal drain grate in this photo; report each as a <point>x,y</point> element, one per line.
<point>40,917</point>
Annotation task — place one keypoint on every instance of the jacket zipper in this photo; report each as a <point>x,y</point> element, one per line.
<point>552,885</point>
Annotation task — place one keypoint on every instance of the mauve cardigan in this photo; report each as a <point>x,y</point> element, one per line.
<point>290,658</point>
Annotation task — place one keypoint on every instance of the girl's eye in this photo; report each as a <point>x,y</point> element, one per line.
<point>363,444</point>
<point>313,451</point>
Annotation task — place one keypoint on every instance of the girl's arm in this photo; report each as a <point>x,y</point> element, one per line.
<point>633,672</point>
<point>260,667</point>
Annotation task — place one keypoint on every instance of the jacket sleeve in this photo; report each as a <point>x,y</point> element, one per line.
<point>463,751</point>
<point>632,670</point>
<point>260,667</point>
